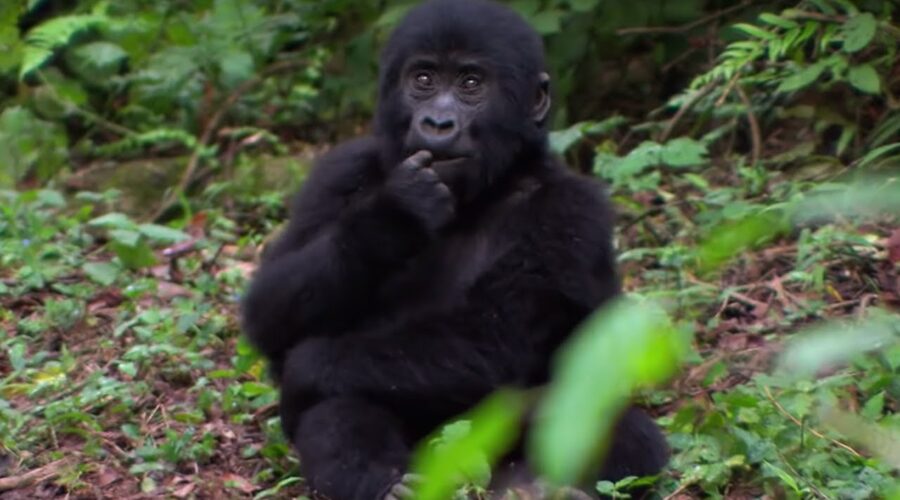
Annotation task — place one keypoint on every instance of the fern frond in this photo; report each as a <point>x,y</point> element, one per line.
<point>137,142</point>
<point>42,41</point>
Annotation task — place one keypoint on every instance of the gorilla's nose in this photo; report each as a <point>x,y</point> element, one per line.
<point>438,130</point>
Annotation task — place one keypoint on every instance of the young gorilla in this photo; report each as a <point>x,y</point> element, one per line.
<point>435,261</point>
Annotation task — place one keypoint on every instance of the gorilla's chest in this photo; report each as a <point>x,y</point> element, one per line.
<point>447,268</point>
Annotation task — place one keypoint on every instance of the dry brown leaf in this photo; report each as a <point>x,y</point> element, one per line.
<point>241,483</point>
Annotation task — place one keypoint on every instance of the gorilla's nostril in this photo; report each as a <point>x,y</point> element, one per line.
<point>438,126</point>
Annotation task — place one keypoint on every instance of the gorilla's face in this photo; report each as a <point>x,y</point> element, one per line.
<point>465,81</point>
<point>457,111</point>
<point>445,97</point>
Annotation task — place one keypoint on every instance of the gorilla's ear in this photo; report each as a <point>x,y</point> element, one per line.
<point>542,103</point>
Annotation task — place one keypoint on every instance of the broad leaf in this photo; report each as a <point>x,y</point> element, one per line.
<point>864,78</point>
<point>626,345</point>
<point>859,31</point>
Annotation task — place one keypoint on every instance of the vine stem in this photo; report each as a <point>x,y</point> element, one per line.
<point>213,125</point>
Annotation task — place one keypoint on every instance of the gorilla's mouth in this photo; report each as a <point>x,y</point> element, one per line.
<point>447,162</point>
<point>448,158</point>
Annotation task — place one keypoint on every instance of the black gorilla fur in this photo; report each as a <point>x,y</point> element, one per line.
<point>444,256</point>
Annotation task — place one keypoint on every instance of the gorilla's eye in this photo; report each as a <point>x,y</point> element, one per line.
<point>423,80</point>
<point>470,82</point>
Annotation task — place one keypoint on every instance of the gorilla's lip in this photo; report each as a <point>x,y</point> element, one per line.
<point>450,161</point>
<point>444,159</point>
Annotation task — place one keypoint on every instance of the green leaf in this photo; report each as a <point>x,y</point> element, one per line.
<point>732,238</point>
<point>878,152</point>
<point>629,343</point>
<point>492,429</point>
<point>547,22</point>
<point>874,407</point>
<point>639,158</point>
<point>43,40</point>
<point>755,31</point>
<point>162,233</point>
<point>583,5</point>
<point>28,144</point>
<point>133,256</point>
<point>128,368</point>
<point>865,78</point>
<point>802,78</point>
<point>125,236</point>
<point>526,8</point>
<point>683,152</point>
<point>859,31</point>
<point>50,198</point>
<point>562,140</point>
<point>837,343</point>
<point>778,21</point>
<point>96,61</point>
<point>237,66</point>
<point>113,220</point>
<point>104,273</point>
<point>784,476</point>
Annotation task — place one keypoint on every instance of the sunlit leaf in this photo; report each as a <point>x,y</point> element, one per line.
<point>755,31</point>
<point>836,343</point>
<point>628,344</point>
<point>492,429</point>
<point>732,238</point>
<point>777,21</point>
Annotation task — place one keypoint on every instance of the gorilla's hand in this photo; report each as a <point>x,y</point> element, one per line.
<point>404,489</point>
<point>419,191</point>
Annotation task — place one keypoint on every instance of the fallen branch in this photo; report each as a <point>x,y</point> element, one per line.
<point>670,127</point>
<point>32,477</point>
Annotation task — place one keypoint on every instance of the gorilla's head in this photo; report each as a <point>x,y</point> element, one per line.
<point>466,80</point>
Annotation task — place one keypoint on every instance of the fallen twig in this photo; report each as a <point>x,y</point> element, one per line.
<point>32,477</point>
<point>811,430</point>
<point>683,110</point>
<point>755,134</point>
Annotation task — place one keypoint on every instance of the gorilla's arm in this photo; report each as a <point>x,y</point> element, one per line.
<point>345,235</point>
<point>499,333</point>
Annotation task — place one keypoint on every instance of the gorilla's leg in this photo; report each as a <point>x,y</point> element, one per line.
<point>350,449</point>
<point>638,448</point>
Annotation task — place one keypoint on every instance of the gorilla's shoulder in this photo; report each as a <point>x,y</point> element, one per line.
<point>573,193</point>
<point>359,150</point>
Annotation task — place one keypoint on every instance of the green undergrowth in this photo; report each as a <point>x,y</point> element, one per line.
<point>758,230</point>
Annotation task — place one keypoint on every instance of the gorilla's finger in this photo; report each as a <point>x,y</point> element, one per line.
<point>429,175</point>
<point>419,159</point>
<point>405,489</point>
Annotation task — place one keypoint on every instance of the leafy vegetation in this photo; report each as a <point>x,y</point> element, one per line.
<point>752,149</point>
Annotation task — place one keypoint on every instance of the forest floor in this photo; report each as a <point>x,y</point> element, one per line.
<point>122,373</point>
